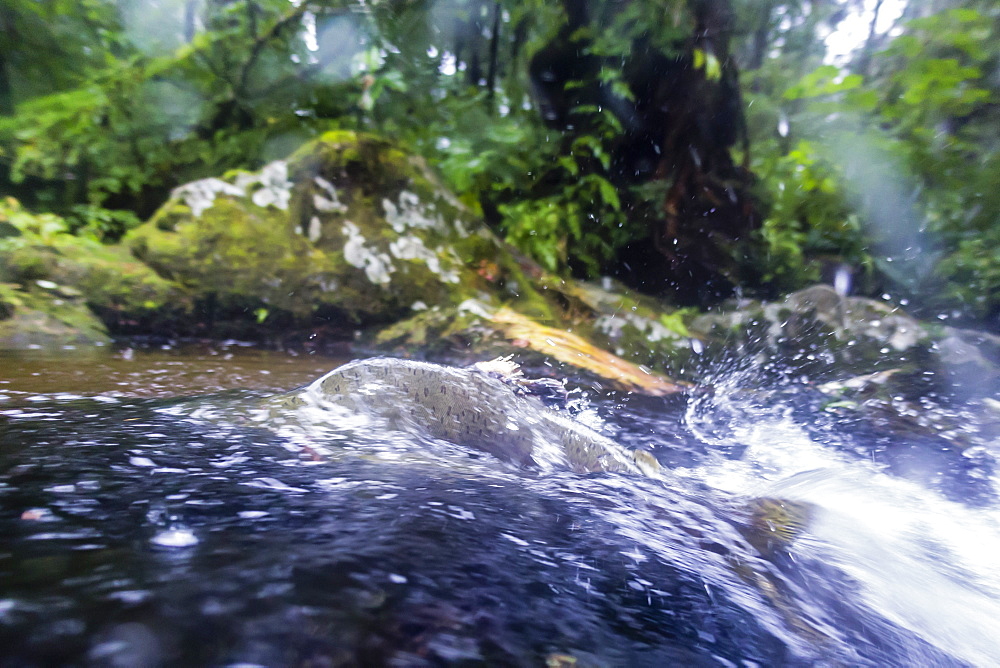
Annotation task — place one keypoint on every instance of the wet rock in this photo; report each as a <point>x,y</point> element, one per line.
<point>819,331</point>
<point>37,319</point>
<point>873,365</point>
<point>970,360</point>
<point>489,407</point>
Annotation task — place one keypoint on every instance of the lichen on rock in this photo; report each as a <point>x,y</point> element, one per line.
<point>200,195</point>
<point>349,224</point>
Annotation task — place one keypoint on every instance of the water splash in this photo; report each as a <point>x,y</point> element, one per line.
<point>916,559</point>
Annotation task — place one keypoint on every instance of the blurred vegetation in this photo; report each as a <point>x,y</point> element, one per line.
<point>886,161</point>
<point>690,147</point>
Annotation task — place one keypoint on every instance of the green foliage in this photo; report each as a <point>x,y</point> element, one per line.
<point>674,321</point>
<point>165,97</point>
<point>28,227</point>
<point>105,225</point>
<point>824,80</point>
<point>147,115</point>
<point>894,170</point>
<point>938,103</point>
<point>574,216</point>
<point>709,63</point>
<point>809,219</point>
<point>889,161</point>
<point>107,136</point>
<point>583,222</point>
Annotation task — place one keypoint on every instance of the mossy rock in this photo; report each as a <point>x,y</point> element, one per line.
<point>349,224</point>
<point>55,282</point>
<point>109,277</point>
<point>46,316</point>
<point>353,229</point>
<point>635,327</point>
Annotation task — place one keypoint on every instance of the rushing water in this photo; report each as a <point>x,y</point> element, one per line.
<point>143,524</point>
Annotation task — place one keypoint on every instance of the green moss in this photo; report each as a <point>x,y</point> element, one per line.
<point>419,330</point>
<point>167,218</point>
<point>439,330</point>
<point>365,164</point>
<point>43,318</point>
<point>87,273</point>
<point>230,249</point>
<point>10,299</point>
<point>295,259</point>
<point>110,277</point>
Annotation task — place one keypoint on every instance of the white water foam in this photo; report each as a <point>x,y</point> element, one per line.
<point>919,560</point>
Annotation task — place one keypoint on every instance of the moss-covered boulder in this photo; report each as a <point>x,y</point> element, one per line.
<point>47,316</point>
<point>352,231</point>
<point>348,226</point>
<point>58,289</point>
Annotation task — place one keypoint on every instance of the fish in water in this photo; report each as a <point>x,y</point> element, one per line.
<point>489,407</point>
<point>493,408</point>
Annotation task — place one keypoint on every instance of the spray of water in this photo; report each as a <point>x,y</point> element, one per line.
<point>917,560</point>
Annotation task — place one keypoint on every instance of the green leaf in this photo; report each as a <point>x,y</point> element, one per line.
<point>609,193</point>
<point>569,164</point>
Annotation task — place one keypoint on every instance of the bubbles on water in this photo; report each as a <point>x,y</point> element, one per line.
<point>274,484</point>
<point>171,538</point>
<point>129,644</point>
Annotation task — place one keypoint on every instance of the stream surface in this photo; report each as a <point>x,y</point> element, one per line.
<point>143,523</point>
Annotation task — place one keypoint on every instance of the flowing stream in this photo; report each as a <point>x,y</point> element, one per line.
<point>144,523</point>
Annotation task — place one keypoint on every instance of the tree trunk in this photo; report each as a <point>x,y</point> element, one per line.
<point>761,33</point>
<point>7,29</point>
<point>491,71</point>
<point>679,130</point>
<point>865,59</point>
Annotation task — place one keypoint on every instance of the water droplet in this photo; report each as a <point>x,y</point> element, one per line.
<point>842,281</point>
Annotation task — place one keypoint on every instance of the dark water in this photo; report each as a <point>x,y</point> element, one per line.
<point>137,532</point>
<point>154,371</point>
